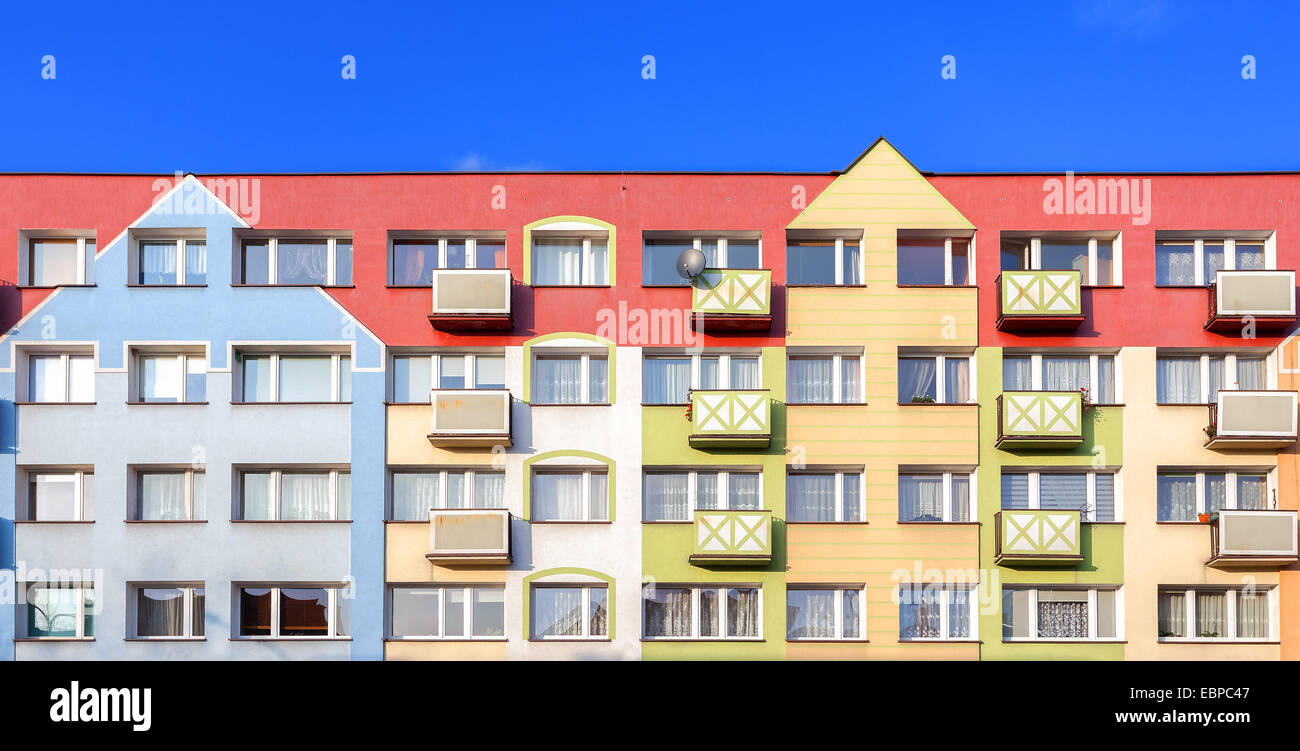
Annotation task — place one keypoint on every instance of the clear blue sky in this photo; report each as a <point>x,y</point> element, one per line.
<point>495,84</point>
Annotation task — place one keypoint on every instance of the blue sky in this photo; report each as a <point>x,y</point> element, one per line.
<point>256,86</point>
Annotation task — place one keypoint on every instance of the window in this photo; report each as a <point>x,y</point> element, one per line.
<point>1198,378</point>
<point>413,375</point>
<point>1206,614</point>
<point>293,612</point>
<point>574,495</point>
<point>934,497</point>
<point>1060,614</point>
<point>823,260</point>
<point>294,495</point>
<point>944,379</point>
<point>671,496</point>
<point>57,261</point>
<point>1097,259</point>
<point>669,379</point>
<point>61,378</point>
<point>171,378</point>
<point>413,259</point>
<point>1057,372</point>
<point>60,610</point>
<point>60,496</point>
<point>823,614</point>
<point>570,261</point>
<point>570,611</point>
<point>934,261</point>
<point>928,612</point>
<point>570,379</point>
<point>723,613</point>
<point>825,496</point>
<point>1184,261</point>
<point>171,261</point>
<point>1090,493</point>
<point>170,495</point>
<point>1182,495</point>
<point>415,493</point>
<point>447,612</point>
<point>169,612</point>
<point>320,261</point>
<point>268,377</point>
<point>659,253</point>
<point>824,379</point>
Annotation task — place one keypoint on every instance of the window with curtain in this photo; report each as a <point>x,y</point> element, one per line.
<point>667,495</point>
<point>52,262</point>
<point>917,379</point>
<point>570,611</point>
<point>667,380</point>
<point>1017,373</point>
<point>415,493</point>
<point>445,612</point>
<point>934,611</point>
<point>1062,614</point>
<point>823,614</point>
<point>170,495</point>
<point>723,613</point>
<point>412,379</point>
<point>1066,492</point>
<point>824,496</point>
<point>1181,495</point>
<point>1215,614</point>
<point>1252,490</point>
<point>570,495</point>
<point>1059,614</point>
<point>169,612</point>
<point>294,495</point>
<point>920,498</point>
<point>823,261</point>
<point>286,612</point>
<point>1211,614</point>
<point>1252,373</point>
<point>560,379</point>
<point>1015,490</point>
<point>1178,380</point>
<point>64,377</point>
<point>1090,493</point>
<point>1175,264</point>
<point>1065,373</point>
<point>559,261</point>
<point>824,379</point>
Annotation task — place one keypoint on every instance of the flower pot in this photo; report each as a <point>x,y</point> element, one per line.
<point>1205,518</point>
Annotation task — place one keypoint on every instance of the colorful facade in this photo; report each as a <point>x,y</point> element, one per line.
<point>899,415</point>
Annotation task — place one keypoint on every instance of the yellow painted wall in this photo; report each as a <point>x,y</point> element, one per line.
<point>408,440</point>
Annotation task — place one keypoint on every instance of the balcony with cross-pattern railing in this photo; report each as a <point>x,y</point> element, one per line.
<point>1037,537</point>
<point>732,300</point>
<point>731,418</point>
<point>736,538</point>
<point>1040,300</point>
<point>1039,419</point>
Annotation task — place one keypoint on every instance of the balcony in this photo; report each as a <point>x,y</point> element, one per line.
<point>467,417</point>
<point>735,538</point>
<point>471,300</point>
<point>1037,537</point>
<point>469,536</point>
<point>1266,298</point>
<point>1039,419</point>
<point>1252,420</point>
<point>731,419</point>
<point>1040,300</point>
<point>1242,538</point>
<point>732,300</point>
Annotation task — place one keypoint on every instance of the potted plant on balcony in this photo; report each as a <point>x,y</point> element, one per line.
<point>1203,518</point>
<point>1085,396</point>
<point>923,399</point>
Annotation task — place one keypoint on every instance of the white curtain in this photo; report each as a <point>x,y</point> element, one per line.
<point>667,496</point>
<point>706,490</point>
<point>196,262</point>
<point>960,498</point>
<point>852,262</point>
<point>489,490</point>
<point>306,379</point>
<point>557,496</point>
<point>255,494</point>
<point>958,613</point>
<point>1105,391</point>
<point>456,490</point>
<point>1017,373</point>
<point>1213,260</point>
<point>956,380</point>
<point>1211,614</point>
<point>46,380</point>
<point>1175,265</point>
<point>744,491</point>
<point>162,496</point>
<point>1251,492</point>
<point>916,379</point>
<point>598,611</point>
<point>812,498</point>
<point>598,497</point>
<point>1175,498</point>
<point>302,262</point>
<point>1251,373</point>
<point>1172,614</point>
<point>920,498</point>
<point>1252,615</point>
<point>1178,380</point>
<point>1062,614</point>
<point>811,613</point>
<point>160,612</point>
<point>557,380</point>
<point>557,261</point>
<point>852,498</point>
<point>597,380</point>
<point>1065,373</point>
<point>850,381</point>
<point>1218,376</point>
<point>158,263</point>
<point>558,611</point>
<point>744,373</point>
<point>599,262</point>
<point>1216,492</point>
<point>812,380</point>
<point>742,612</point>
<point>1250,257</point>
<point>667,380</point>
<point>305,496</point>
<point>667,612</point>
<point>919,612</point>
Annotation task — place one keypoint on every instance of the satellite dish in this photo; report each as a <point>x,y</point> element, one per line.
<point>690,264</point>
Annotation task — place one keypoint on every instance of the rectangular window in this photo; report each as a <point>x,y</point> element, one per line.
<point>692,612</point>
<point>933,261</point>
<point>1208,614</point>
<point>60,496</point>
<point>659,254</point>
<point>1060,614</point>
<point>171,262</point>
<point>829,496</point>
<point>413,375</point>
<point>294,495</point>
<point>1197,379</point>
<point>824,379</point>
<point>1183,261</point>
<point>296,262</point>
<point>574,495</point>
<point>171,378</point>
<point>1097,259</point>
<point>1092,494</point>
<point>934,497</point>
<point>1094,375</point>
<point>62,610</point>
<point>169,612</point>
<point>302,378</point>
<point>670,496</point>
<point>669,379</point>
<point>170,495</point>
<point>570,379</point>
<point>414,494</point>
<point>570,611</point>
<point>412,260</point>
<point>823,261</point>
<point>929,612</point>
<point>61,378</point>
<point>944,379</point>
<point>570,261</point>
<point>823,614</point>
<point>1182,495</point>
<point>293,612</point>
<point>446,612</point>
<point>57,261</point>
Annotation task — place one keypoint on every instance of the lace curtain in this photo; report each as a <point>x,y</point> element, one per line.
<point>1175,498</point>
<point>668,612</point>
<point>414,494</point>
<point>667,496</point>
<point>162,496</point>
<point>557,496</point>
<point>812,380</point>
<point>919,613</point>
<point>1252,615</point>
<point>1063,615</point>
<point>305,496</point>
<point>667,380</point>
<point>812,498</point>
<point>1172,615</point>
<point>1178,380</point>
<point>916,379</point>
<point>811,613</point>
<point>557,380</point>
<point>920,498</point>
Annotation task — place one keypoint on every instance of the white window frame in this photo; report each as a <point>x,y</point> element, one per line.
<point>586,588</point>
<point>1229,254</point>
<point>332,617</point>
<point>1093,625</point>
<point>839,591</point>
<point>948,476</point>
<point>79,481</point>
<point>442,241</point>
<point>442,473</point>
<point>587,264</point>
<point>471,367</point>
<point>840,474</point>
<point>585,385</point>
<point>187,595</point>
<point>28,257</point>
<point>137,506</point>
<point>1229,614</point>
<point>1231,380</point>
<point>946,594</point>
<point>467,625</point>
<point>1230,480</point>
<point>181,257</point>
<point>947,259</point>
<point>696,589</point>
<point>1094,370</point>
<point>277,474</point>
<point>587,473</point>
<point>1035,497</point>
<point>1035,258</point>
<point>272,257</point>
<point>941,375</point>
<point>80,587</point>
<point>692,488</point>
<point>837,375</point>
<point>697,367</point>
<point>839,258</point>
<point>184,358</point>
<point>65,362</point>
<point>335,374</point>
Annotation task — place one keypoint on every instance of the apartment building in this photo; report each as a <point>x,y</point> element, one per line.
<point>899,415</point>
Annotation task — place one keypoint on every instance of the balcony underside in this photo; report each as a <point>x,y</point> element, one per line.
<point>710,322</point>
<point>1039,443</point>
<point>1036,559</point>
<point>1250,561</point>
<point>720,559</point>
<point>1248,442</point>
<point>1008,322</point>
<point>468,559</point>
<point>731,441</point>
<point>1221,324</point>
<point>470,440</point>
<point>471,321</point>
